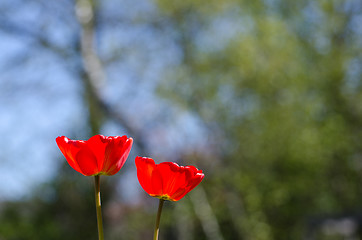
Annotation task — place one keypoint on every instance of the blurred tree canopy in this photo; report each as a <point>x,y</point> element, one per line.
<point>276,84</point>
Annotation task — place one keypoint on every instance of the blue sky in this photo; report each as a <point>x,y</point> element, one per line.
<point>41,95</point>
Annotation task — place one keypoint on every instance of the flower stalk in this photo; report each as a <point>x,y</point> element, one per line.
<point>158,218</point>
<point>98,206</point>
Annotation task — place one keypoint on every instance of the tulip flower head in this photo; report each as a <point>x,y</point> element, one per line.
<point>167,180</point>
<point>99,155</point>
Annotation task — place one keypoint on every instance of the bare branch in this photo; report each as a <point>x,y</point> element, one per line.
<point>37,38</point>
<point>94,72</point>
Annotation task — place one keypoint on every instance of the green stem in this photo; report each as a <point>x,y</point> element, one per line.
<point>157,226</point>
<point>98,206</point>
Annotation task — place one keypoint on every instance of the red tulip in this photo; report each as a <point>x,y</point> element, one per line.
<point>167,180</point>
<point>99,155</point>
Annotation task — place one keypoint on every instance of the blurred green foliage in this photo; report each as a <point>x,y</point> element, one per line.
<point>282,100</point>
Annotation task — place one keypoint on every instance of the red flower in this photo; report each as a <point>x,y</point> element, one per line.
<point>167,180</point>
<point>99,155</point>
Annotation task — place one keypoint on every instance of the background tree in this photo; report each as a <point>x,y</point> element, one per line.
<point>262,95</point>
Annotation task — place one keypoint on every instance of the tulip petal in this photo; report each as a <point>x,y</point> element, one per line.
<point>193,182</point>
<point>170,174</point>
<point>97,144</point>
<point>116,154</point>
<point>87,162</point>
<point>179,189</point>
<point>70,148</point>
<point>180,193</point>
<point>189,178</point>
<point>145,168</point>
<point>157,182</point>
